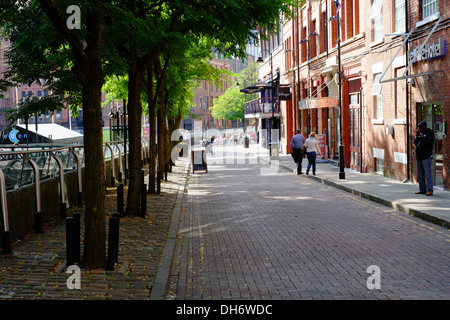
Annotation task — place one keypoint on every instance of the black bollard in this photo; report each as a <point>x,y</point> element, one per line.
<point>120,199</point>
<point>158,182</point>
<point>38,222</point>
<point>6,242</point>
<point>143,200</point>
<point>62,210</point>
<point>70,245</point>
<point>76,236</point>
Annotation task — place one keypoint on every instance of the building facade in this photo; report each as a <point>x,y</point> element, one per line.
<point>394,73</point>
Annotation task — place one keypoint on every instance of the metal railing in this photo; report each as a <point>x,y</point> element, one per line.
<point>35,163</point>
<point>261,105</point>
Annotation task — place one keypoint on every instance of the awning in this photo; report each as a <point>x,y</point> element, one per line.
<point>318,103</point>
<point>55,133</point>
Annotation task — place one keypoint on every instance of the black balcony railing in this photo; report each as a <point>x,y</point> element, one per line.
<point>262,105</point>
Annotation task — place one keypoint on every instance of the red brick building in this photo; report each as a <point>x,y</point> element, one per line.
<point>394,73</point>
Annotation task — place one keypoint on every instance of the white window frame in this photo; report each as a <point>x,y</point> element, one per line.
<point>377,22</point>
<point>378,99</point>
<point>430,12</point>
<point>379,166</point>
<point>400,16</point>
<point>429,8</point>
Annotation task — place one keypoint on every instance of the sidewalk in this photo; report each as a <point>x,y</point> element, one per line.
<point>37,270</point>
<point>37,267</point>
<point>384,190</point>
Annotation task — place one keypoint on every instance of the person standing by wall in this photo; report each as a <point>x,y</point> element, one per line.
<point>312,147</point>
<point>297,143</point>
<point>424,155</point>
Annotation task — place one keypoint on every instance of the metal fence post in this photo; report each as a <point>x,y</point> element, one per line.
<point>6,234</point>
<point>79,177</point>
<point>37,188</point>
<point>63,207</point>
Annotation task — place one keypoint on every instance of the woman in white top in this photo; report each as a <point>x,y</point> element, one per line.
<point>312,147</point>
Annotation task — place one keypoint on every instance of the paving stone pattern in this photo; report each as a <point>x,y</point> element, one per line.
<point>37,268</point>
<point>246,235</point>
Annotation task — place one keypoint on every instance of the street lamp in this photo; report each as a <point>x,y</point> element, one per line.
<point>341,146</point>
<point>312,34</point>
<point>259,61</point>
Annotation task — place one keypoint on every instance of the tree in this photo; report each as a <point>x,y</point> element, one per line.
<point>113,37</point>
<point>68,58</point>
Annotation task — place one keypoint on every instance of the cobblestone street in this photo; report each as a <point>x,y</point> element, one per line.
<point>245,234</point>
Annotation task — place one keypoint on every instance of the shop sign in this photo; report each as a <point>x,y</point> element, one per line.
<point>14,136</point>
<point>322,140</point>
<point>325,102</point>
<point>284,93</point>
<point>427,51</point>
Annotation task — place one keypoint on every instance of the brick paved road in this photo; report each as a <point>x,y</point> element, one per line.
<point>246,235</point>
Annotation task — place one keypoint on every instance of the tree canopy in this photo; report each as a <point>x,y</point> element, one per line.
<point>74,55</point>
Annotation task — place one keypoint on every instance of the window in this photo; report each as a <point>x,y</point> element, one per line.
<point>378,101</point>
<point>377,20</point>
<point>429,7</point>
<point>400,16</point>
<point>379,107</point>
<point>351,21</point>
<point>379,166</point>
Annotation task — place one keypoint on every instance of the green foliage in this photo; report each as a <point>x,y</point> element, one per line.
<point>231,105</point>
<point>37,53</point>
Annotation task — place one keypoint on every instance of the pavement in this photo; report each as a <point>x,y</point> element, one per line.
<point>37,270</point>
<point>390,192</point>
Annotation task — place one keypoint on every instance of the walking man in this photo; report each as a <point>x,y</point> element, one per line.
<point>424,155</point>
<point>296,144</point>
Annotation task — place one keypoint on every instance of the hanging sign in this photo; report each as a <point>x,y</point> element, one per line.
<point>284,93</point>
<point>427,51</point>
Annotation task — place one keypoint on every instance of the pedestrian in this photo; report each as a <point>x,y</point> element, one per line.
<point>312,147</point>
<point>424,158</point>
<point>297,143</point>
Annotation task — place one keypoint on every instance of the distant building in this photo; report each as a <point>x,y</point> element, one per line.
<point>207,92</point>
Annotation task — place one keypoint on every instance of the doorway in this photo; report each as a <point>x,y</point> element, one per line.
<point>432,114</point>
<point>355,132</point>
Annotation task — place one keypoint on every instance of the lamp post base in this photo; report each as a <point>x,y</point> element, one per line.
<point>341,162</point>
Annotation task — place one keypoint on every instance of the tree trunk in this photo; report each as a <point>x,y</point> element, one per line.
<point>135,82</point>
<point>152,116</point>
<point>161,118</point>
<point>89,71</point>
<point>94,255</point>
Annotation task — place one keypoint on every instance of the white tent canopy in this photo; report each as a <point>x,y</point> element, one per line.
<point>59,134</point>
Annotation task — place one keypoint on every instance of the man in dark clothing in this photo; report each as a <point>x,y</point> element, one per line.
<point>424,154</point>
<point>296,144</point>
